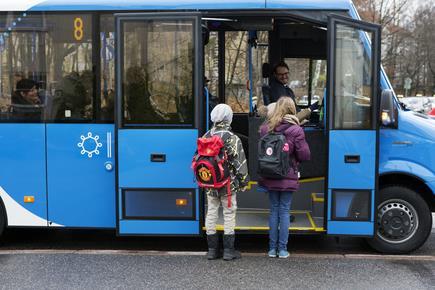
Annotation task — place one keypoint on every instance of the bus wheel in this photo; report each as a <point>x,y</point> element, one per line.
<point>403,221</point>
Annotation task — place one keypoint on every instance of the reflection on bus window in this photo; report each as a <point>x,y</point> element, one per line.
<point>158,72</point>
<point>107,81</point>
<point>353,80</point>
<point>236,71</point>
<point>237,86</point>
<point>54,51</point>
<point>299,69</point>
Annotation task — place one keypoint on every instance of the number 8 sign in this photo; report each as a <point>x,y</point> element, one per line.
<point>78,28</point>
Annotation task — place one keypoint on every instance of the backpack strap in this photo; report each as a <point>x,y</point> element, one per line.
<point>291,155</point>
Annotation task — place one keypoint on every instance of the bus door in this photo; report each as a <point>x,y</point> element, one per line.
<point>159,76</point>
<point>353,131</point>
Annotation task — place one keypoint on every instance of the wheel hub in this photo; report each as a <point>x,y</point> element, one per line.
<point>397,221</point>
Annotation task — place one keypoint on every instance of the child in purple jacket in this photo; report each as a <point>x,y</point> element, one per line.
<point>280,191</point>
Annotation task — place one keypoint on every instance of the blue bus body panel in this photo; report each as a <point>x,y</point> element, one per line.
<point>23,173</point>
<point>349,178</point>
<point>351,228</point>
<point>135,227</point>
<point>60,5</point>
<point>352,175</point>
<point>81,191</point>
<point>136,170</point>
<point>406,150</point>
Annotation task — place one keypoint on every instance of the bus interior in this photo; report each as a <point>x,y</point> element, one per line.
<point>262,41</point>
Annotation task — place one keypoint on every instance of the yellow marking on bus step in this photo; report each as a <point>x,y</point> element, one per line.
<point>315,198</point>
<point>251,183</point>
<point>311,179</point>
<point>313,224</point>
<point>267,211</point>
<point>247,228</point>
<point>253,228</point>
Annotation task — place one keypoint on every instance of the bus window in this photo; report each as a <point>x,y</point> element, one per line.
<point>157,73</point>
<point>352,87</point>
<point>307,79</point>
<point>107,81</point>
<point>211,63</point>
<point>54,51</point>
<point>318,79</point>
<point>260,55</point>
<point>21,63</point>
<point>69,66</point>
<point>299,71</point>
<point>237,84</point>
<point>236,71</point>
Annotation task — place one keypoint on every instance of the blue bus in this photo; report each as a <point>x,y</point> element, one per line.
<point>101,103</point>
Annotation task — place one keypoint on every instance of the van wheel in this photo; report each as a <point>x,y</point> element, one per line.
<point>403,221</point>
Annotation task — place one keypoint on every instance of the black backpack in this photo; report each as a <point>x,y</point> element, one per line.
<point>274,160</point>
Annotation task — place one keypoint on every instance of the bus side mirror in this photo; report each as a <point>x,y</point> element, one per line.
<point>389,110</point>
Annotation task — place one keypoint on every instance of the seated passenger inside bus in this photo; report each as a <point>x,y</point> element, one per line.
<point>26,103</point>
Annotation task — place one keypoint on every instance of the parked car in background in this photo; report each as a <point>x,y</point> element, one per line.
<point>418,104</point>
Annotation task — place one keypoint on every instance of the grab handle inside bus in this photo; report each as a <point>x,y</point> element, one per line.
<point>157,157</point>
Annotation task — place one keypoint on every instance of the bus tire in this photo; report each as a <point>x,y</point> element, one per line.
<point>403,221</point>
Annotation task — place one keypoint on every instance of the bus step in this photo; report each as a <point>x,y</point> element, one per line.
<point>317,204</point>
<point>258,220</point>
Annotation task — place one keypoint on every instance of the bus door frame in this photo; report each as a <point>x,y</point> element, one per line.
<point>337,180</point>
<point>183,181</point>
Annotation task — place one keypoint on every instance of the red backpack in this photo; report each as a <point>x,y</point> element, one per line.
<point>210,164</point>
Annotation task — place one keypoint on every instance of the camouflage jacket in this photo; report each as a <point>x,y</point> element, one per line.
<point>236,159</point>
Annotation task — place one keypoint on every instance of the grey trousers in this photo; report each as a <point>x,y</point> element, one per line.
<point>211,218</point>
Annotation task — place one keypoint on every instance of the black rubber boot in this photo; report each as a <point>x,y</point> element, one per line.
<point>213,246</point>
<point>229,252</point>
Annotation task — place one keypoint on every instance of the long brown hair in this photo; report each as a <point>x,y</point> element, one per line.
<point>284,106</point>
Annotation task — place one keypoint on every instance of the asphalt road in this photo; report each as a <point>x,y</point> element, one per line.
<point>89,259</point>
<point>136,271</point>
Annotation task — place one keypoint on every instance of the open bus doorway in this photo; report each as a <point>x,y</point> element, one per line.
<point>238,62</point>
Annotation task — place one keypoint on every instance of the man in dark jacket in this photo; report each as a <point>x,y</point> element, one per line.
<point>279,83</point>
<point>279,88</point>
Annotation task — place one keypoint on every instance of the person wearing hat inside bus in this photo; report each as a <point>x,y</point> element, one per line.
<point>26,103</point>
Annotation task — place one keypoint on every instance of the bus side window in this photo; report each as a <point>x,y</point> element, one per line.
<point>54,51</point>
<point>107,60</point>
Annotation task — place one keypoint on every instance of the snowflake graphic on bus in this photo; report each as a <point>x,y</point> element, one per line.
<point>90,144</point>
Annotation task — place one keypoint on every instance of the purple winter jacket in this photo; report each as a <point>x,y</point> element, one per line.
<point>298,147</point>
